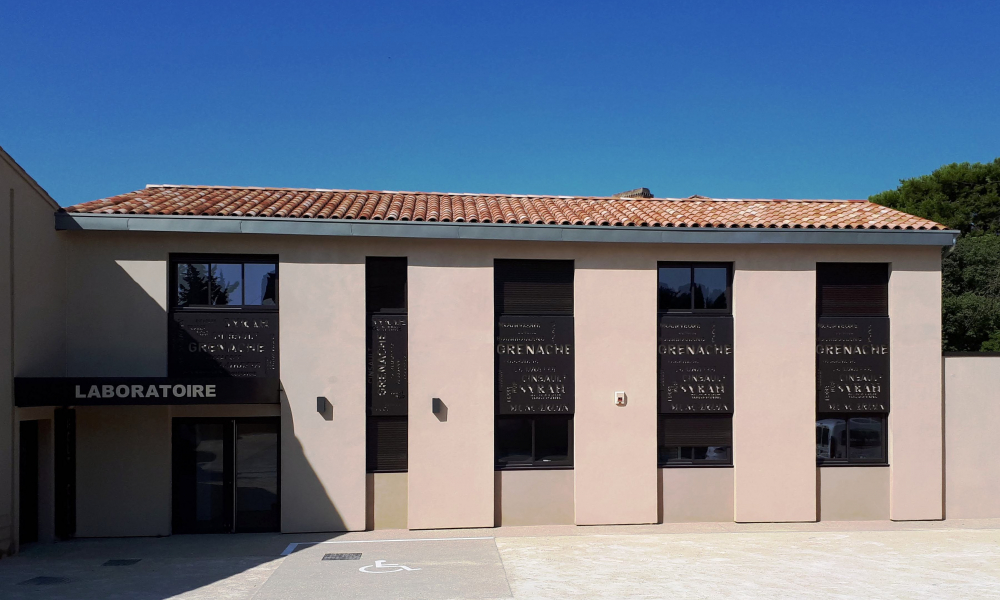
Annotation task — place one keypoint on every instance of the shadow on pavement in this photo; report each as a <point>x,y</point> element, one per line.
<point>182,566</point>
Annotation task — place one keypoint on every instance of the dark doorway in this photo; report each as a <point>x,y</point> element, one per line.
<point>225,475</point>
<point>64,467</point>
<point>28,464</point>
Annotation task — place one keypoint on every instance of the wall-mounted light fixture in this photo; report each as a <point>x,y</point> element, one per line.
<point>324,407</point>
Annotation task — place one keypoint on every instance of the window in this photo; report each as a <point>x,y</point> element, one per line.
<point>385,303</point>
<point>694,287</point>
<point>852,289</point>
<point>695,439</point>
<point>537,441</point>
<point>223,298</point>
<point>850,439</point>
<point>695,364</point>
<point>533,287</point>
<point>534,363</point>
<point>852,363</point>
<point>203,283</point>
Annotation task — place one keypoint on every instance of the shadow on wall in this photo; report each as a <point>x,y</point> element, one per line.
<point>310,499</point>
<point>117,327</point>
<point>114,327</point>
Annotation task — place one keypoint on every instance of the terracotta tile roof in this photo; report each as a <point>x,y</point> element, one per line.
<point>696,211</point>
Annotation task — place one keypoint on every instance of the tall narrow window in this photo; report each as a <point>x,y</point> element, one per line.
<point>535,356</point>
<point>385,304</point>
<point>223,316</point>
<point>852,363</point>
<point>695,352</point>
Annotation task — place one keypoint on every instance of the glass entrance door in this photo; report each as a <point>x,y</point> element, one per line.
<point>257,476</point>
<point>225,475</point>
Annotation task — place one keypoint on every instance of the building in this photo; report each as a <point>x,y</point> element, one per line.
<point>183,359</point>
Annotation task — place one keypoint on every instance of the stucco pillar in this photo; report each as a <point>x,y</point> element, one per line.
<point>915,403</point>
<point>774,411</point>
<point>322,354</point>
<point>450,329</point>
<point>615,446</point>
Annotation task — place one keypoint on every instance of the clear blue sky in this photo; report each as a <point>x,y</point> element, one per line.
<point>725,99</point>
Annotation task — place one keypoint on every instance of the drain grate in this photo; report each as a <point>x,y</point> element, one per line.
<point>344,556</point>
<point>44,580</point>
<point>121,562</point>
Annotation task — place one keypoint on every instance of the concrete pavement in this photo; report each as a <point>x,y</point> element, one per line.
<point>954,559</point>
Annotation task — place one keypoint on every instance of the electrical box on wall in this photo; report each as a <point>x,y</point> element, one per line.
<point>620,399</point>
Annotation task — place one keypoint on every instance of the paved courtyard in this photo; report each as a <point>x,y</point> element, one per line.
<point>956,559</point>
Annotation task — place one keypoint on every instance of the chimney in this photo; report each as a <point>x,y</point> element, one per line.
<point>636,193</point>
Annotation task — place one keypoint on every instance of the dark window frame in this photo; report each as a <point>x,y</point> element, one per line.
<point>370,264</point>
<point>178,259</point>
<point>692,462</point>
<point>534,463</point>
<point>507,266</point>
<point>701,312</point>
<point>372,421</point>
<point>883,461</point>
<point>501,274</point>
<point>692,265</point>
<point>835,270</point>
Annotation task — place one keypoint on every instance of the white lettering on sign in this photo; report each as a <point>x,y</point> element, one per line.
<point>386,568</point>
<point>137,391</point>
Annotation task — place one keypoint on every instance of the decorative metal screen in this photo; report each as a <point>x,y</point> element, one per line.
<point>695,363</point>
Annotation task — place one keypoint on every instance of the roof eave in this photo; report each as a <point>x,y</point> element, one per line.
<point>499,231</point>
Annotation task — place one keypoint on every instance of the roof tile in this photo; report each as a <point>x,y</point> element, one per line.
<point>696,211</point>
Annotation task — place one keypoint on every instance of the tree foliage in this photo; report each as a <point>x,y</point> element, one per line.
<point>963,196</point>
<point>966,197</point>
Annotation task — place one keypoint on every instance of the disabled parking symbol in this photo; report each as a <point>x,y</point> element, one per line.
<point>380,566</point>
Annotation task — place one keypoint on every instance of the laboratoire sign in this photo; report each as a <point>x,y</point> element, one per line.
<point>852,364</point>
<point>229,344</point>
<point>388,365</point>
<point>695,363</point>
<point>535,359</point>
<point>104,391</point>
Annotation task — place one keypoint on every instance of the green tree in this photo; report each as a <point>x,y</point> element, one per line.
<point>965,197</point>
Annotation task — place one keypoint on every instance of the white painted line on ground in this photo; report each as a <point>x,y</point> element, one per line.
<point>291,547</point>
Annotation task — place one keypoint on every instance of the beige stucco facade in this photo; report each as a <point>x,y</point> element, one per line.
<point>387,499</point>
<point>534,497</point>
<point>696,495</point>
<point>971,422</point>
<point>117,444</point>
<point>615,477</point>
<point>100,310</point>
<point>853,493</point>
<point>451,452</point>
<point>915,426</point>
<point>774,383</point>
<point>31,338</point>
